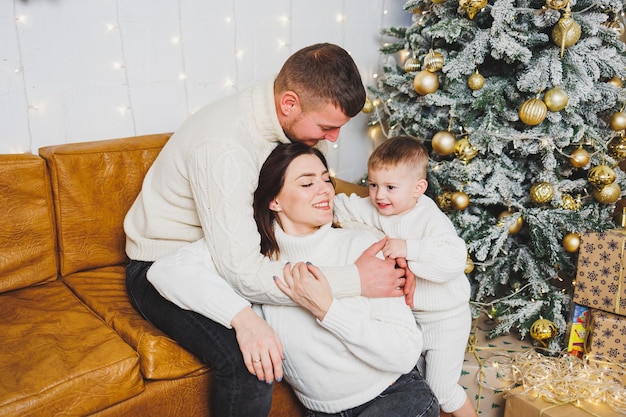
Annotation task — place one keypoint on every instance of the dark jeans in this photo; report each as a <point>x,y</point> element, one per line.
<point>234,391</point>
<point>409,396</point>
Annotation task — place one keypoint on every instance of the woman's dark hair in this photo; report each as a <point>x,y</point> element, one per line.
<point>271,181</point>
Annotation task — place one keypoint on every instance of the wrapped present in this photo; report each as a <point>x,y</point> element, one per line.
<point>606,336</point>
<point>600,277</point>
<point>578,330</point>
<point>480,376</point>
<point>518,405</point>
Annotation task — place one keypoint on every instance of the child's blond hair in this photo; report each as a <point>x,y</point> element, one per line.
<point>399,150</point>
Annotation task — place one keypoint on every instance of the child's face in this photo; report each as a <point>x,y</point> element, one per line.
<point>395,190</point>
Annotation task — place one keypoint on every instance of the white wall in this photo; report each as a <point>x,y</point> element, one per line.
<point>73,71</point>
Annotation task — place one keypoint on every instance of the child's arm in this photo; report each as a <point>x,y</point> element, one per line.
<point>353,208</point>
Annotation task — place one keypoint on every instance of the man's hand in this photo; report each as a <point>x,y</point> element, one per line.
<point>409,285</point>
<point>379,277</point>
<point>260,347</point>
<point>306,285</point>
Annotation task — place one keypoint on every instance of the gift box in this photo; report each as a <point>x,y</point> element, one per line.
<point>579,321</point>
<point>519,405</point>
<point>606,336</point>
<point>600,280</point>
<point>480,377</point>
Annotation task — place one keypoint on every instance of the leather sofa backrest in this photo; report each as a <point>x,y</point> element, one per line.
<point>94,185</point>
<point>27,238</point>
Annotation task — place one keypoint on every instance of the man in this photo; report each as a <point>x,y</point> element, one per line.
<point>201,186</point>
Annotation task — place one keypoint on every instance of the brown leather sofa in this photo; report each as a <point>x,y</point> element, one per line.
<point>71,344</point>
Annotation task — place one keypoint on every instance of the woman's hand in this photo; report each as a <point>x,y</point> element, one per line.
<point>306,285</point>
<point>260,347</point>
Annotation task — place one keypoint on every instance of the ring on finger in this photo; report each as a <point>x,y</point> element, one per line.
<point>256,361</point>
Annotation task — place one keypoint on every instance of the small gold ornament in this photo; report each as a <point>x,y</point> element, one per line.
<point>555,99</point>
<point>570,203</point>
<point>608,194</point>
<point>433,61</point>
<point>425,82</point>
<point>616,81</point>
<point>571,242</point>
<point>617,147</point>
<point>368,107</point>
<point>556,4</point>
<point>618,121</point>
<point>469,265</point>
<point>579,158</point>
<point>464,150</point>
<point>567,31</point>
<point>459,200</point>
<point>444,201</point>
<point>472,6</point>
<point>476,81</point>
<point>515,227</point>
<point>438,1</point>
<point>543,330</point>
<point>412,65</point>
<point>444,142</point>
<point>533,111</point>
<point>601,175</point>
<point>542,192</point>
<point>616,25</point>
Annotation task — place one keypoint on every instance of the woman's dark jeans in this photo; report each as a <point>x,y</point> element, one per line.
<point>409,396</point>
<point>234,391</point>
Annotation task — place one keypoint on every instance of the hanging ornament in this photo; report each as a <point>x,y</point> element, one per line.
<point>444,142</point>
<point>459,200</point>
<point>556,4</point>
<point>616,82</point>
<point>570,203</point>
<point>425,82</point>
<point>472,7</point>
<point>515,227</point>
<point>617,147</point>
<point>412,65</point>
<point>616,25</point>
<point>542,192</point>
<point>601,175</point>
<point>571,242</point>
<point>579,158</point>
<point>542,331</point>
<point>476,81</point>
<point>444,201</point>
<point>533,111</point>
<point>433,61</point>
<point>618,121</point>
<point>555,99</point>
<point>469,265</point>
<point>608,194</point>
<point>567,31</point>
<point>464,150</point>
<point>368,107</point>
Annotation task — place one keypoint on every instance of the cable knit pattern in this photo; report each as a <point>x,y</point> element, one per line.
<point>362,345</point>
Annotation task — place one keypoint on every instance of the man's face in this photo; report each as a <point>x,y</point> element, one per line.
<point>315,125</point>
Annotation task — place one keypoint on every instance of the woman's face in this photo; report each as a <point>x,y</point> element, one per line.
<point>306,200</point>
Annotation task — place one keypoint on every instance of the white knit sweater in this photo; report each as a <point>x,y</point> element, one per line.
<point>362,345</point>
<point>436,254</point>
<point>201,185</point>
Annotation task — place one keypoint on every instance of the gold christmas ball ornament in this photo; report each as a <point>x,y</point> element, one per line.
<point>425,82</point>
<point>567,31</point>
<point>608,194</point>
<point>579,158</point>
<point>616,82</point>
<point>412,65</point>
<point>533,111</point>
<point>444,142</point>
<point>571,242</point>
<point>469,265</point>
<point>464,150</point>
<point>459,200</point>
<point>472,7</point>
<point>617,147</point>
<point>542,192</point>
<point>515,227</point>
<point>555,99</point>
<point>556,4</point>
<point>570,203</point>
<point>476,81</point>
<point>368,107</point>
<point>616,25</point>
<point>433,61</point>
<point>618,121</point>
<point>444,201</point>
<point>543,330</point>
<point>601,175</point>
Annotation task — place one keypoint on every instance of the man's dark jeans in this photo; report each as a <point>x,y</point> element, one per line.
<point>234,391</point>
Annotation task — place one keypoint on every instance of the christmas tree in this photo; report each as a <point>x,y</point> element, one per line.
<point>521,104</point>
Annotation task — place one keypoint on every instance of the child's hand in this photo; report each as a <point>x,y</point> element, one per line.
<point>395,248</point>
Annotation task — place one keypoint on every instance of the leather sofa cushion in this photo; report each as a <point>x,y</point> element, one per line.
<point>94,185</point>
<point>27,241</point>
<point>58,358</point>
<point>104,291</point>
